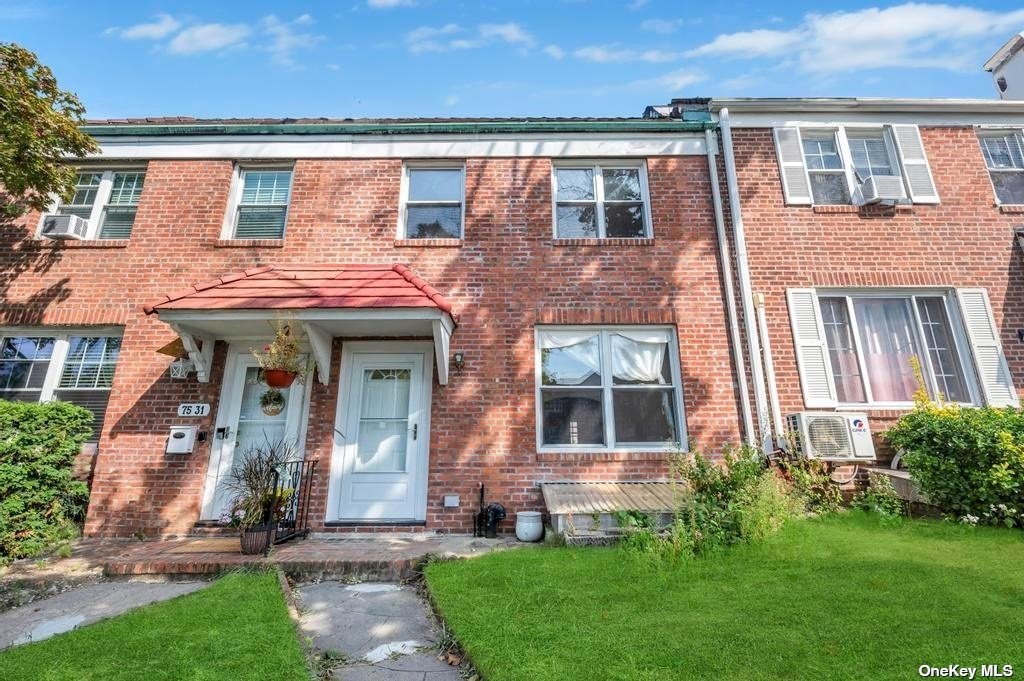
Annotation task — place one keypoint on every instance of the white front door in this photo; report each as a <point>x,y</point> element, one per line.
<point>244,422</point>
<point>379,467</point>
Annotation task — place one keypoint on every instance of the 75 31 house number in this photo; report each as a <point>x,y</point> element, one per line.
<point>193,409</point>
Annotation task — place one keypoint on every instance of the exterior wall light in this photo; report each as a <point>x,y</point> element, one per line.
<point>459,360</point>
<point>180,368</point>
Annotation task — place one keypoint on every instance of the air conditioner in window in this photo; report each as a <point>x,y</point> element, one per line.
<point>832,436</point>
<point>878,188</point>
<point>65,227</point>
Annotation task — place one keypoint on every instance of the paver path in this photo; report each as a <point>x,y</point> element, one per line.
<point>384,631</point>
<point>81,606</point>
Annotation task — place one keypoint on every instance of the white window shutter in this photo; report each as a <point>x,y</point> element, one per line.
<point>811,350</point>
<point>989,360</point>
<point>914,162</point>
<point>795,185</point>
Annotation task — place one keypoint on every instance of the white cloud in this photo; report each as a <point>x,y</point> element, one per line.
<point>606,54</point>
<point>662,26</point>
<point>554,51</point>
<point>162,26</point>
<point>511,33</point>
<point>209,38</point>
<point>637,4</point>
<point>908,35</point>
<point>442,38</point>
<point>389,4</point>
<point>287,36</point>
<point>672,82</point>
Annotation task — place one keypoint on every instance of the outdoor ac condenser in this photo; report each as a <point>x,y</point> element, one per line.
<point>832,436</point>
<point>65,227</point>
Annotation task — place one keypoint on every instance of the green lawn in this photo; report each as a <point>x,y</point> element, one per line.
<point>238,628</point>
<point>838,598</point>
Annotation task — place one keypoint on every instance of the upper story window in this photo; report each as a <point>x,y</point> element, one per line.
<point>75,367</point>
<point>603,388</point>
<point>833,166</point>
<point>432,202</point>
<point>107,200</point>
<point>601,200</point>
<point>1005,160</point>
<point>259,207</point>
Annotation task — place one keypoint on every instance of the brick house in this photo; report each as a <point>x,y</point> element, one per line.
<point>497,302</point>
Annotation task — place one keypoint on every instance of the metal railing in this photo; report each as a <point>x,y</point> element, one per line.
<point>293,483</point>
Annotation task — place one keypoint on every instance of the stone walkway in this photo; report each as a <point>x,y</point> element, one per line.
<point>81,606</point>
<point>380,631</point>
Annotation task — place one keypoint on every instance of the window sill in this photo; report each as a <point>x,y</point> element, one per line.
<point>1011,208</point>
<point>428,243</point>
<point>90,243</point>
<point>610,242</point>
<point>867,209</point>
<point>602,456</point>
<point>249,243</point>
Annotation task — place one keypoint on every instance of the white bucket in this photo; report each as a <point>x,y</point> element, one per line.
<point>529,526</point>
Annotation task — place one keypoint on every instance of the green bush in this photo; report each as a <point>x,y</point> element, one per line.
<point>813,484</point>
<point>880,497</point>
<point>40,501</point>
<point>967,461</point>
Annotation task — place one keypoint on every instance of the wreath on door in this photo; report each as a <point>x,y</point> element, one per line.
<point>272,402</point>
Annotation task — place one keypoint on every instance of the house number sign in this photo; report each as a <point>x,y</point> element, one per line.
<point>193,409</point>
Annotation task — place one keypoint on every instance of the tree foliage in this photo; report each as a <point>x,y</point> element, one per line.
<point>39,128</point>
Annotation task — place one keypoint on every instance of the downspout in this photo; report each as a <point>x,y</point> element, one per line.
<point>725,257</point>
<point>746,289</point>
<point>769,371</point>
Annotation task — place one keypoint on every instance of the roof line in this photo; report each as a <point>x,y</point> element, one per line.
<point>443,303</point>
<point>209,283</point>
<point>867,104</point>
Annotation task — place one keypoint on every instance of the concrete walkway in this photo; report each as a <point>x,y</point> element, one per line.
<point>85,605</point>
<point>381,630</point>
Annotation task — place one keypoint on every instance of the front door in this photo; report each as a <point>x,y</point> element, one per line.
<point>382,443</point>
<point>248,417</point>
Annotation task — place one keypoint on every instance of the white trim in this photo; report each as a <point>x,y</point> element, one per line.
<point>999,132</point>
<point>238,171</point>
<point>598,166</point>
<point>320,343</point>
<point>611,446</point>
<point>289,147</point>
<point>199,348</point>
<point>348,351</point>
<point>403,197</point>
<point>442,330</point>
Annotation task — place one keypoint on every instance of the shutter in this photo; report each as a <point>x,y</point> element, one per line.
<point>795,185</point>
<point>811,351</point>
<point>914,163</point>
<point>989,361</point>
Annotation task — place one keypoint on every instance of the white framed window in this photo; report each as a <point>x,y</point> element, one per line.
<point>258,205</point>
<point>607,388</point>
<point>432,201</point>
<point>601,199</point>
<point>107,199</point>
<point>1004,158</point>
<point>827,166</point>
<point>77,366</point>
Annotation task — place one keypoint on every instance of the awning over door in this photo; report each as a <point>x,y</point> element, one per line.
<point>326,300</point>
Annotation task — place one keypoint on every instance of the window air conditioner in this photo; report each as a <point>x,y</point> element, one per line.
<point>878,188</point>
<point>65,227</point>
<point>832,436</point>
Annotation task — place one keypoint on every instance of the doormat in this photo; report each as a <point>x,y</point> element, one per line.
<point>213,545</point>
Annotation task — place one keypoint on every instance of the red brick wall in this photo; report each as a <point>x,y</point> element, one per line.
<point>964,241</point>
<point>507,276</point>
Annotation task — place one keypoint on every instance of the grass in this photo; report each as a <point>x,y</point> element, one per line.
<point>847,597</point>
<point>237,628</point>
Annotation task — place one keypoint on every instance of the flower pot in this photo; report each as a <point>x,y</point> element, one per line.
<point>278,378</point>
<point>528,526</point>
<point>257,539</point>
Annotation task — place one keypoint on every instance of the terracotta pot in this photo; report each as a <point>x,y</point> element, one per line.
<point>278,378</point>
<point>257,539</point>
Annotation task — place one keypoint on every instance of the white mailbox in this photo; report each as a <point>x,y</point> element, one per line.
<point>182,439</point>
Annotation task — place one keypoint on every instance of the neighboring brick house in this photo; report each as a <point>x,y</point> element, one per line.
<point>501,302</point>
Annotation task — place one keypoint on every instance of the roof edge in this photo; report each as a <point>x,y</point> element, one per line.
<point>868,105</point>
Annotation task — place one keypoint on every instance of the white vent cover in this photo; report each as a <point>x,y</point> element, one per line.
<point>879,188</point>
<point>833,436</point>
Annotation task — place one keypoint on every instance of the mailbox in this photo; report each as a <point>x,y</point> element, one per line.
<point>182,439</point>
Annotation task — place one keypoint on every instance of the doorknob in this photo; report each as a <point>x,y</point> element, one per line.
<point>222,433</point>
<point>415,429</point>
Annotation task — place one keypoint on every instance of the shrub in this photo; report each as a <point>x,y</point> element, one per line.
<point>880,497</point>
<point>40,501</point>
<point>969,462</point>
<point>812,484</point>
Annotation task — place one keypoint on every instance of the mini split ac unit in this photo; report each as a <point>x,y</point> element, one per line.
<point>878,188</point>
<point>832,436</point>
<point>65,227</point>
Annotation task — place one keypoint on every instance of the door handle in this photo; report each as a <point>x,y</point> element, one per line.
<point>415,430</point>
<point>222,433</point>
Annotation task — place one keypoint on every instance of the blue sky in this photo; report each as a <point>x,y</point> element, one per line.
<point>530,57</point>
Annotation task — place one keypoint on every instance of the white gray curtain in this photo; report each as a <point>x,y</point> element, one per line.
<point>638,356</point>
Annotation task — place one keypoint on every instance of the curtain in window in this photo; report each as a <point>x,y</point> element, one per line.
<point>887,339</point>
<point>580,346</point>
<point>639,356</point>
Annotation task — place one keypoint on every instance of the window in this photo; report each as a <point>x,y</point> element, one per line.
<point>432,206</point>
<point>870,154</point>
<point>1005,161</point>
<point>601,201</point>
<point>607,388</point>
<point>107,199</point>
<point>261,207</point>
<point>825,168</point>
<point>73,367</point>
<point>873,339</point>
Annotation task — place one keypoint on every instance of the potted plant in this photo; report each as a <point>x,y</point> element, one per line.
<point>258,504</point>
<point>272,402</point>
<point>280,360</point>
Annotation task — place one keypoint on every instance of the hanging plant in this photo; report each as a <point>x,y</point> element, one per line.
<point>272,402</point>
<point>280,360</point>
